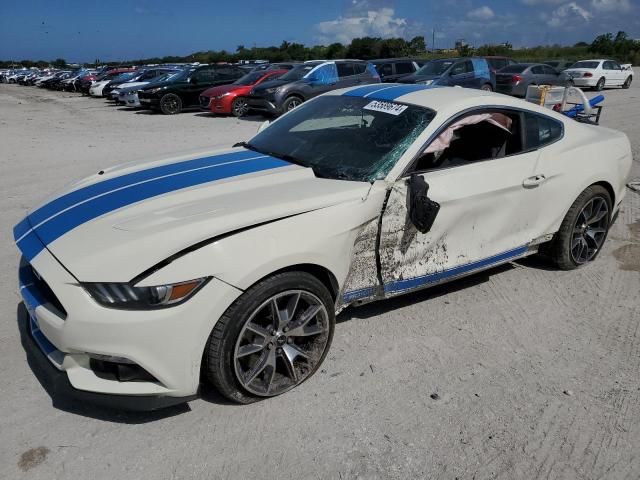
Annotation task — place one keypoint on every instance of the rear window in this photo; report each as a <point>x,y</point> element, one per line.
<point>404,67</point>
<point>497,63</point>
<point>585,64</point>
<point>514,69</point>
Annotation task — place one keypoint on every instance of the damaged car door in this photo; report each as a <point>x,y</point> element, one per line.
<point>479,207</point>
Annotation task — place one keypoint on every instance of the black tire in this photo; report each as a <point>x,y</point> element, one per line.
<point>219,362</point>
<point>291,103</point>
<point>170,104</point>
<point>560,248</point>
<point>627,82</point>
<point>487,87</point>
<point>239,107</point>
<point>600,85</point>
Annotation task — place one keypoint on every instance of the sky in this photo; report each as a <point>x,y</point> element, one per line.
<point>130,29</point>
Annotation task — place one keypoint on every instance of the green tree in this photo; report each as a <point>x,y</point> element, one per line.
<point>59,63</point>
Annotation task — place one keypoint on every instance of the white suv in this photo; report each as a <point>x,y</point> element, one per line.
<point>599,74</point>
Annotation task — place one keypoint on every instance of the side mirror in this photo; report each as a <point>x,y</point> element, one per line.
<point>422,210</point>
<point>264,125</point>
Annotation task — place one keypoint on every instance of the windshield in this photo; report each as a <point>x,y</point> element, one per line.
<point>585,64</point>
<point>435,67</point>
<point>124,76</point>
<point>346,138</point>
<point>298,72</point>
<point>249,78</point>
<point>513,69</point>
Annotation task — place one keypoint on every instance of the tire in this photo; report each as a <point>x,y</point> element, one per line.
<point>291,103</point>
<point>627,82</point>
<point>568,245</point>
<point>233,371</point>
<point>487,87</point>
<point>239,107</point>
<point>600,85</point>
<point>170,104</point>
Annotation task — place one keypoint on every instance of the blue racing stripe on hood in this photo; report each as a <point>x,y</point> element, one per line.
<point>52,228</point>
<point>82,194</point>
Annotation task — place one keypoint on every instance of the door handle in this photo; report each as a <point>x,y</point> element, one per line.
<point>533,182</point>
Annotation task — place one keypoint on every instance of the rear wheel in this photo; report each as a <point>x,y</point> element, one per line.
<point>240,107</point>
<point>170,104</point>
<point>273,338</point>
<point>627,82</point>
<point>583,230</point>
<point>487,87</point>
<point>600,85</point>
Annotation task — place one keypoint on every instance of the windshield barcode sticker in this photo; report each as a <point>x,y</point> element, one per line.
<point>386,107</point>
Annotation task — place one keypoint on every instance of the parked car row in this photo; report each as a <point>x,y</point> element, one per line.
<point>274,89</point>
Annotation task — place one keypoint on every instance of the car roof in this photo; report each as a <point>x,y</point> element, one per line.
<point>445,100</point>
<point>399,59</point>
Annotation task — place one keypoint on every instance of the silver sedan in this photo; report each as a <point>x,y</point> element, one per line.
<point>515,79</point>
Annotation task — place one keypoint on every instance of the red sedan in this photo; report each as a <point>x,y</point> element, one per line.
<point>231,99</point>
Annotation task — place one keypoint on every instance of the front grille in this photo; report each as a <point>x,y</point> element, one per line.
<point>47,293</point>
<point>204,101</point>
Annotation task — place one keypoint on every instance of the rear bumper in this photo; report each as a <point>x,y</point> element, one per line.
<point>585,81</point>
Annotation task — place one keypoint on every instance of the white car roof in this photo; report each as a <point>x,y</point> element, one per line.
<point>446,100</point>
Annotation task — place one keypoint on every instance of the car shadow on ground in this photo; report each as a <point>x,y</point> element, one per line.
<point>62,394</point>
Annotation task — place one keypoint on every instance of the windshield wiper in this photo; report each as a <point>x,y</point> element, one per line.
<point>281,156</point>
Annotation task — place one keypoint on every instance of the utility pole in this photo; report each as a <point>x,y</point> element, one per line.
<point>433,40</point>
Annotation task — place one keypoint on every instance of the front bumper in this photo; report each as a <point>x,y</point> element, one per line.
<point>262,104</point>
<point>167,344</point>
<point>148,102</point>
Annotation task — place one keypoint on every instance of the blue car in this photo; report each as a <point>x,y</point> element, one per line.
<point>463,72</point>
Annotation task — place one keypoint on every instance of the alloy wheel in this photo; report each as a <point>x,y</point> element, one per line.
<point>240,107</point>
<point>282,343</point>
<point>293,103</point>
<point>590,230</point>
<point>170,104</point>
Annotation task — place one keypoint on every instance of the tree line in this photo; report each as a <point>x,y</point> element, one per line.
<point>619,47</point>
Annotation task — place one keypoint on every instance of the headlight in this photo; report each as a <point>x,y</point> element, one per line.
<point>155,90</point>
<point>271,90</point>
<point>226,94</point>
<point>126,296</point>
<point>427,82</point>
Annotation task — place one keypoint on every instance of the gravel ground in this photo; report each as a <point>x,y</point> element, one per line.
<point>519,372</point>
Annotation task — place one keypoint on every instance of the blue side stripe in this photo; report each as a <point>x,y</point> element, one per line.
<point>89,210</point>
<point>416,282</point>
<point>82,194</point>
<point>452,272</point>
<point>366,89</point>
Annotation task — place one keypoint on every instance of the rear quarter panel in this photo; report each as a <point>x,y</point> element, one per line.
<point>587,154</point>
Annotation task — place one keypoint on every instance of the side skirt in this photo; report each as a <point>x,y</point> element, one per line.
<point>401,287</point>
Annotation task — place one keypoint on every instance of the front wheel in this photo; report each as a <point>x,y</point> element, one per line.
<point>291,103</point>
<point>170,104</point>
<point>627,82</point>
<point>273,338</point>
<point>239,107</point>
<point>583,230</point>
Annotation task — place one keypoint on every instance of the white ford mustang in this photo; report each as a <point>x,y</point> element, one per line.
<point>233,265</point>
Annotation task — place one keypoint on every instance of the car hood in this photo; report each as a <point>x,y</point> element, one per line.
<point>131,87</point>
<point>139,215</point>
<point>271,84</point>
<point>212,92</point>
<point>413,78</point>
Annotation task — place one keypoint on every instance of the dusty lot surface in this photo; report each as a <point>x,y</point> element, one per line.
<point>536,371</point>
